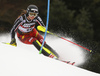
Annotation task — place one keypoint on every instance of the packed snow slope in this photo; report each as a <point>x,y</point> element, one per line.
<point>16,61</point>
<point>25,60</point>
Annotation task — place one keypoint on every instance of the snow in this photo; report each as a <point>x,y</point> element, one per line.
<point>25,60</point>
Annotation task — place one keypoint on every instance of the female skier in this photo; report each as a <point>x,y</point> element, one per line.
<point>25,26</point>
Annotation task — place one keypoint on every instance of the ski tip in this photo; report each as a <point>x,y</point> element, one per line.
<point>68,62</point>
<point>9,44</point>
<point>73,63</point>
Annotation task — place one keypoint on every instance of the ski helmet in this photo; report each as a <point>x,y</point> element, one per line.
<point>32,8</point>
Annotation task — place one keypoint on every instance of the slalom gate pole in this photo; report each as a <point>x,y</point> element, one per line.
<point>41,28</point>
<point>48,7</point>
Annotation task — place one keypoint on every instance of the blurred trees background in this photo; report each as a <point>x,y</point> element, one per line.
<point>79,19</point>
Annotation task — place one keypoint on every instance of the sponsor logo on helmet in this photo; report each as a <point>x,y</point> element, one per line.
<point>34,10</point>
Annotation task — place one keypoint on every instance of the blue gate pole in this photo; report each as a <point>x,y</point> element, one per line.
<point>48,8</point>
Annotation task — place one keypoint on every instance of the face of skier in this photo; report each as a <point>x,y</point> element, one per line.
<point>32,15</point>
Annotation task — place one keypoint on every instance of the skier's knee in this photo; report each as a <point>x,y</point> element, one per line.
<point>46,50</point>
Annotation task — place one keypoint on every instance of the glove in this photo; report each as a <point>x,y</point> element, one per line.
<point>13,42</point>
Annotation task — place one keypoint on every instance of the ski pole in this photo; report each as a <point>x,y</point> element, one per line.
<point>41,28</point>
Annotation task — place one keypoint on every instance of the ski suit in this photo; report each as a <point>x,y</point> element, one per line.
<point>27,33</point>
<point>26,30</point>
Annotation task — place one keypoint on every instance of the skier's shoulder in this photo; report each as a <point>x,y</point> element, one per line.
<point>22,17</point>
<point>40,21</point>
<point>19,18</point>
<point>39,18</point>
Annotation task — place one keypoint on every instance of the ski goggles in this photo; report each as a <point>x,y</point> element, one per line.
<point>32,14</point>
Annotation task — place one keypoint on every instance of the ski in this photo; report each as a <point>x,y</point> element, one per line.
<point>68,62</point>
<point>8,44</point>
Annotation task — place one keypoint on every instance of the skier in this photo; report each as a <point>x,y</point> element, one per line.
<point>25,27</point>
